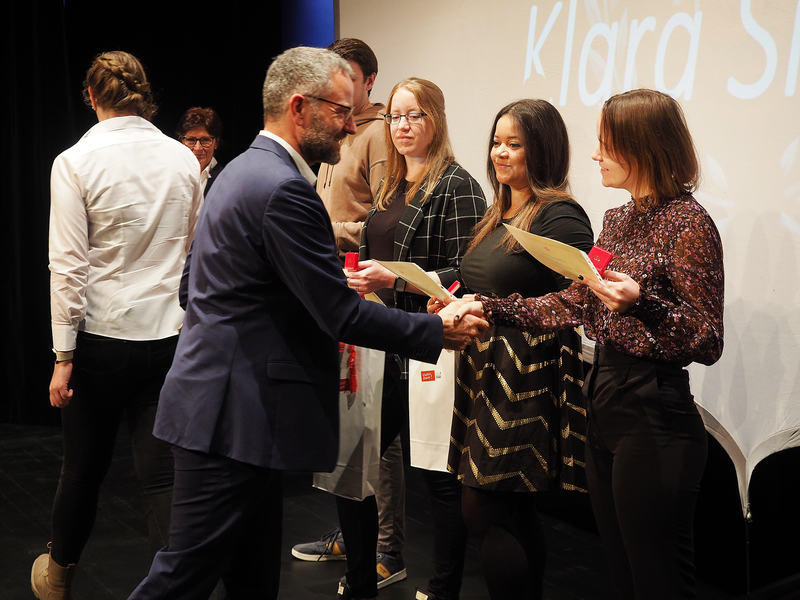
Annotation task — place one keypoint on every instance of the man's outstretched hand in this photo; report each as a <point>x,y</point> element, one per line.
<point>460,331</point>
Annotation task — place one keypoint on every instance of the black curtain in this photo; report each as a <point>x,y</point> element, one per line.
<point>196,54</point>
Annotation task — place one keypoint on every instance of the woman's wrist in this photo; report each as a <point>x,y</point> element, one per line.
<point>487,308</point>
<point>63,356</point>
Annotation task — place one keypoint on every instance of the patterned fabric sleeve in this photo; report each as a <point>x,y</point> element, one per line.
<point>689,328</point>
<point>554,311</point>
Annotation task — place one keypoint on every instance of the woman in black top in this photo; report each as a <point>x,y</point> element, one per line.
<point>519,423</point>
<point>424,213</point>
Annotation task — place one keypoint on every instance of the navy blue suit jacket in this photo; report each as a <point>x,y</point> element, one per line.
<point>256,373</point>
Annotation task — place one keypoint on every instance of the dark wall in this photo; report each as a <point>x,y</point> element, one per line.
<point>299,30</point>
<point>37,120</point>
<point>196,54</point>
<point>201,53</point>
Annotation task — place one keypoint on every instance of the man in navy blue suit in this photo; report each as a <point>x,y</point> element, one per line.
<point>253,389</point>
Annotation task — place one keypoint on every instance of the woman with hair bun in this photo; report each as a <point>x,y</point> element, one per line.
<point>123,205</point>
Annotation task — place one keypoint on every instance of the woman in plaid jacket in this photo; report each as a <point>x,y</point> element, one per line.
<point>424,213</point>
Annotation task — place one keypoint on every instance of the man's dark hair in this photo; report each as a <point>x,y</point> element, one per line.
<point>357,51</point>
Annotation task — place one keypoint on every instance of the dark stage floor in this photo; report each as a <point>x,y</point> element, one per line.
<point>117,556</point>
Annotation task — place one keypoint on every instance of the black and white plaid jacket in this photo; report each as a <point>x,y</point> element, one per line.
<point>435,234</point>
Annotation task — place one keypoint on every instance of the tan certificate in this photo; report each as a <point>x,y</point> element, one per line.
<point>561,258</point>
<point>415,275</point>
<point>373,297</point>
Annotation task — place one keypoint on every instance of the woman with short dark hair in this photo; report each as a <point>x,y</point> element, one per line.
<point>200,130</point>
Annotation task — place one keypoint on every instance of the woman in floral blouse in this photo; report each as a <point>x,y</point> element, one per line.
<point>660,308</point>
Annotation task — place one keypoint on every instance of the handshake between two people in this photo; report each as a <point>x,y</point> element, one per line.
<point>617,291</point>
<point>463,320</point>
<point>460,328</point>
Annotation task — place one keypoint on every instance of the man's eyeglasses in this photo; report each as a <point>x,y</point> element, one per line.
<point>349,109</point>
<point>412,118</point>
<point>205,142</point>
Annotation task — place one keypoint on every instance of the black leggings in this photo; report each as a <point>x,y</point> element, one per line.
<point>359,520</point>
<point>511,542</point>
<point>109,377</point>
<point>647,452</point>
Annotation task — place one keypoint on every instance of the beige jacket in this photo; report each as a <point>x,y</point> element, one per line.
<point>348,188</point>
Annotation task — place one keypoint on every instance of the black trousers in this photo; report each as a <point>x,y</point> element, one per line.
<point>647,450</point>
<point>226,524</point>
<point>511,545</point>
<point>111,377</point>
<point>359,520</point>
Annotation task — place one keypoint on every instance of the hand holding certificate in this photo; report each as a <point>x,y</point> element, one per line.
<point>561,258</point>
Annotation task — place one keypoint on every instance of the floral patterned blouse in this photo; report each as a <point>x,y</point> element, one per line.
<point>674,253</point>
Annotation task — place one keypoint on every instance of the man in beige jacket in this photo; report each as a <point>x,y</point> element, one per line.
<point>347,189</point>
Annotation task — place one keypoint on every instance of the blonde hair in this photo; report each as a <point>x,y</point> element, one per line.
<point>119,83</point>
<point>440,154</point>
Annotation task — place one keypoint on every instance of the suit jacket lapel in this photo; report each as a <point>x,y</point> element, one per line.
<point>262,142</point>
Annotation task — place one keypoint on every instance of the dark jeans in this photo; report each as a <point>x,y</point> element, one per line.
<point>647,452</point>
<point>226,524</point>
<point>359,520</point>
<point>109,377</point>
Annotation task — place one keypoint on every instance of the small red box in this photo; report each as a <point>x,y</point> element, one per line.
<point>600,259</point>
<point>351,261</point>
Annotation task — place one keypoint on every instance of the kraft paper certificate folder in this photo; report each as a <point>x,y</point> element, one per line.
<point>562,258</point>
<point>373,297</point>
<point>415,275</point>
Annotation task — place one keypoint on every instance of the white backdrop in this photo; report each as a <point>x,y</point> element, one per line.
<point>733,65</point>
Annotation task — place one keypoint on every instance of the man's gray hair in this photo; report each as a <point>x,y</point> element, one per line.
<point>300,70</point>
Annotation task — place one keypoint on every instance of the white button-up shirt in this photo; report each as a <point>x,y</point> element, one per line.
<point>124,201</point>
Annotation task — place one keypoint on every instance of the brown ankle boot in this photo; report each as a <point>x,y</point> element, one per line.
<point>51,581</point>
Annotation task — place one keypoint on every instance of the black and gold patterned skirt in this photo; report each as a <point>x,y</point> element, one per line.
<point>519,421</point>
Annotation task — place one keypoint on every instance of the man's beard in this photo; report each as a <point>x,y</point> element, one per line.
<point>317,143</point>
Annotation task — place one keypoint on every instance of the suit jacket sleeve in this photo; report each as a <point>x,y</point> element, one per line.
<point>299,242</point>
